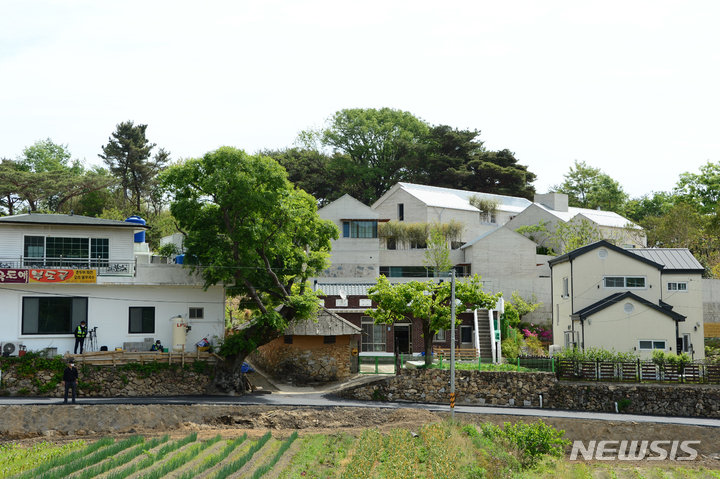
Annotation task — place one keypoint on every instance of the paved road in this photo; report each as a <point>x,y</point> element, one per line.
<point>323,399</point>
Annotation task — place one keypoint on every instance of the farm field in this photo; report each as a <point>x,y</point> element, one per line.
<point>446,449</point>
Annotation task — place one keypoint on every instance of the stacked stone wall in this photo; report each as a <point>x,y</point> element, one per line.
<point>107,381</point>
<point>524,390</point>
<point>300,365</point>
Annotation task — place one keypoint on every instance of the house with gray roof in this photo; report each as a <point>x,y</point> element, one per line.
<point>638,299</point>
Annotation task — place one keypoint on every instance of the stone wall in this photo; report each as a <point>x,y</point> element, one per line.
<point>524,389</point>
<point>107,381</point>
<point>306,360</point>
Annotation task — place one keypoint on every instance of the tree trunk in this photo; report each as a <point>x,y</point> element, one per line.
<point>428,340</point>
<point>228,376</point>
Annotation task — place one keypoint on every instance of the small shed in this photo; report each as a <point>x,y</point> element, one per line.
<point>317,350</point>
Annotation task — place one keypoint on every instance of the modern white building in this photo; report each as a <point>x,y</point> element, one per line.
<point>59,270</point>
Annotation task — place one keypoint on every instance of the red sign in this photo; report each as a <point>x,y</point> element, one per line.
<point>13,276</point>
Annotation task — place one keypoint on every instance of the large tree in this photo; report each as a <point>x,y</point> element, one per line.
<point>427,301</point>
<point>251,230</point>
<point>128,156</point>
<point>589,187</point>
<point>702,190</point>
<point>374,147</point>
<point>310,170</point>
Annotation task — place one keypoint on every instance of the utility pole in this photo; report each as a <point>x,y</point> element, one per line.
<point>452,344</point>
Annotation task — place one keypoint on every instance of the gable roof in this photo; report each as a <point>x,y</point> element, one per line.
<point>67,220</point>
<point>603,244</point>
<point>674,260</point>
<point>492,231</point>
<point>616,298</point>
<point>454,199</point>
<point>600,217</point>
<point>327,324</point>
<point>363,211</point>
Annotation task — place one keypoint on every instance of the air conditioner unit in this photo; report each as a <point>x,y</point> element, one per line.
<point>11,349</point>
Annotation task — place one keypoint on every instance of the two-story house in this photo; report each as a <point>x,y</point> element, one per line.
<point>59,270</point>
<point>628,299</point>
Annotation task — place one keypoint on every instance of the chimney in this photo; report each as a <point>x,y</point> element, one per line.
<point>554,201</point>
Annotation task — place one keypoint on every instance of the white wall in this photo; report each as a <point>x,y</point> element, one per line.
<point>108,309</point>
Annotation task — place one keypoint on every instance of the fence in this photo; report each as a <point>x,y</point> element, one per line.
<point>637,371</point>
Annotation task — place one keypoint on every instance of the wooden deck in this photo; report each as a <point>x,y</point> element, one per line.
<point>117,358</point>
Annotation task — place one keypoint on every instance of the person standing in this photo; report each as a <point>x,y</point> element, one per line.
<point>70,378</point>
<point>80,333</point>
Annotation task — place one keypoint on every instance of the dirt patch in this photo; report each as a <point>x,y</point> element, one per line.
<point>30,424</point>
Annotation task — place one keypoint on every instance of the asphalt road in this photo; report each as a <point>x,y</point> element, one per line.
<point>322,400</point>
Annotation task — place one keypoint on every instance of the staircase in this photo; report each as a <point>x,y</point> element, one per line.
<point>484,334</point>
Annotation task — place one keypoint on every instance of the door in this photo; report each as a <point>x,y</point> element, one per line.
<point>466,337</point>
<point>403,338</point>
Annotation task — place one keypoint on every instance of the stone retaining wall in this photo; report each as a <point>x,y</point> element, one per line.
<point>96,381</point>
<point>524,390</point>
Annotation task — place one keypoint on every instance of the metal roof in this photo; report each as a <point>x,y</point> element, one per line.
<point>602,218</point>
<point>671,258</point>
<point>459,199</point>
<point>350,289</point>
<point>70,220</point>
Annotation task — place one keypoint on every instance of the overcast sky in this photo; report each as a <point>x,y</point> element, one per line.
<point>630,87</point>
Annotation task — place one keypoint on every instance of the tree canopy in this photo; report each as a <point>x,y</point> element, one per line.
<point>589,187</point>
<point>427,301</point>
<point>249,228</point>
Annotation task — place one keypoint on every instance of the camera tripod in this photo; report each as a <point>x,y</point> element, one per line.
<point>92,340</point>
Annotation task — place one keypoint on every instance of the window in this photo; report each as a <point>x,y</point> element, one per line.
<point>488,218</point>
<point>405,271</point>
<point>142,320</point>
<point>360,229</point>
<point>53,315</point>
<point>373,335</point>
<point>628,308</point>
<point>625,282</point>
<point>288,339</point>
<point>341,303</point>
<point>649,345</point>
<point>328,339</point>
<point>401,212</point>
<point>99,250</point>
<point>677,286</point>
<point>54,248</point>
<point>196,313</point>
<point>366,303</point>
<point>34,247</point>
<point>440,335</point>
<point>566,288</point>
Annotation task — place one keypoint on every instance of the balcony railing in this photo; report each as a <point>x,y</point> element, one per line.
<point>102,266</point>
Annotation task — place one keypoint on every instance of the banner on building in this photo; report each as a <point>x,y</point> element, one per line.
<point>48,276</point>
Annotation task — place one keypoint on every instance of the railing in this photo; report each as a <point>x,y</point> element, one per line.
<point>378,364</point>
<point>638,371</point>
<point>103,266</point>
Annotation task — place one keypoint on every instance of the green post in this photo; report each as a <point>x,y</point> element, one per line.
<point>377,360</point>
<point>552,365</point>
<point>518,364</point>
<point>401,360</point>
<point>441,366</point>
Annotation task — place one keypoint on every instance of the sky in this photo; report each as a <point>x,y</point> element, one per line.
<point>630,87</point>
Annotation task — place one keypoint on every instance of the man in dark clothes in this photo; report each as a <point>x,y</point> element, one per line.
<point>80,333</point>
<point>70,378</point>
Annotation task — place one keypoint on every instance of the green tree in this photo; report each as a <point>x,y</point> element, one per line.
<point>437,253</point>
<point>375,148</point>
<point>574,234</point>
<point>701,190</point>
<point>657,203</point>
<point>427,301</point>
<point>45,155</point>
<point>681,227</point>
<point>127,155</point>
<point>248,228</point>
<point>589,187</point>
<point>310,170</point>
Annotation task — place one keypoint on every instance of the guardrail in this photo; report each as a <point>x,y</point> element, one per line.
<point>638,371</point>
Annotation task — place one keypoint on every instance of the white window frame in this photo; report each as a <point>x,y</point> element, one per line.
<point>440,336</point>
<point>566,287</point>
<point>193,313</point>
<point>687,343</point>
<point>365,303</point>
<point>654,344</point>
<point>341,303</point>
<point>378,345</point>
<point>625,282</point>
<point>677,286</point>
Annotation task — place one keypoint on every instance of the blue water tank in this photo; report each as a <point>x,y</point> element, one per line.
<point>180,259</point>
<point>139,237</point>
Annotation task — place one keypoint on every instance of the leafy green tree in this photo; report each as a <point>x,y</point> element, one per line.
<point>127,155</point>
<point>45,155</point>
<point>524,307</point>
<point>681,227</point>
<point>312,171</point>
<point>376,147</point>
<point>427,301</point>
<point>574,234</point>
<point>589,187</point>
<point>248,228</point>
<point>437,253</point>
<point>657,203</point>
<point>701,190</point>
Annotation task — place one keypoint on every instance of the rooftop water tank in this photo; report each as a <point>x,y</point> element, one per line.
<point>139,237</point>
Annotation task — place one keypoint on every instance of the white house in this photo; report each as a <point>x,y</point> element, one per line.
<point>59,270</point>
<point>628,299</point>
